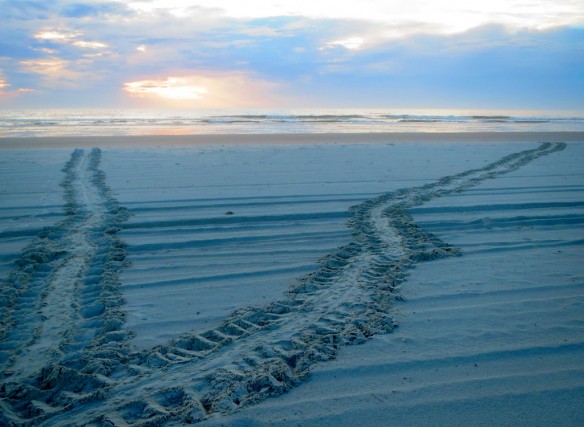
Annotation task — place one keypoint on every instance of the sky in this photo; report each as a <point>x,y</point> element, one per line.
<point>493,54</point>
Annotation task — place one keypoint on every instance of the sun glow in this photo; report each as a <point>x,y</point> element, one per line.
<point>205,89</point>
<point>173,88</point>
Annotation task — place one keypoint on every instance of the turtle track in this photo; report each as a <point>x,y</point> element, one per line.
<point>263,351</point>
<point>61,310</point>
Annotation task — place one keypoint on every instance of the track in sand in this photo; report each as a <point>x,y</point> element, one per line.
<point>64,348</point>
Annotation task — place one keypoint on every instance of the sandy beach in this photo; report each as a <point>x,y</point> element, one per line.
<point>315,280</point>
<point>134,141</point>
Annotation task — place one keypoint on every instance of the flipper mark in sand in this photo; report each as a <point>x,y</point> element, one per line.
<point>255,353</point>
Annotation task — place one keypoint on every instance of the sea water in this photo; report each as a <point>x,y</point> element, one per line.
<point>114,122</point>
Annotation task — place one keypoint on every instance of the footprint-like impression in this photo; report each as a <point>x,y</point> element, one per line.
<point>255,353</point>
<point>61,309</point>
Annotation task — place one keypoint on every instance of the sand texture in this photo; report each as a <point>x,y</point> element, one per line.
<point>289,138</point>
<point>259,284</point>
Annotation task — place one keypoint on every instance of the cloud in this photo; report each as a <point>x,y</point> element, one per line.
<point>58,36</point>
<point>25,10</point>
<point>204,89</point>
<point>173,88</point>
<point>445,16</point>
<point>3,83</point>
<point>59,73</point>
<point>68,37</point>
<point>83,10</point>
<point>7,93</point>
<point>352,43</point>
<point>262,32</point>
<point>486,68</point>
<point>89,45</point>
<point>312,49</point>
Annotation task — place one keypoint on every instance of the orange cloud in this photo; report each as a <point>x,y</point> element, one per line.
<point>59,72</point>
<point>4,85</point>
<point>204,90</point>
<point>173,88</point>
<point>8,94</point>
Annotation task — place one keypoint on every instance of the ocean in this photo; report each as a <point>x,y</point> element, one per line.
<point>118,122</point>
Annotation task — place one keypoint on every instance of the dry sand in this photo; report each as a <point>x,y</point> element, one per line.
<point>143,302</point>
<point>336,138</point>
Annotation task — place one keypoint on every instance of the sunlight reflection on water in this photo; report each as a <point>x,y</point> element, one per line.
<point>33,123</point>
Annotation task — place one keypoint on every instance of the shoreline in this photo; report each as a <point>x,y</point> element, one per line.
<point>136,141</point>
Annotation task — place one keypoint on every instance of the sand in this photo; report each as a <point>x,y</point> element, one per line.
<point>290,138</point>
<point>356,283</point>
